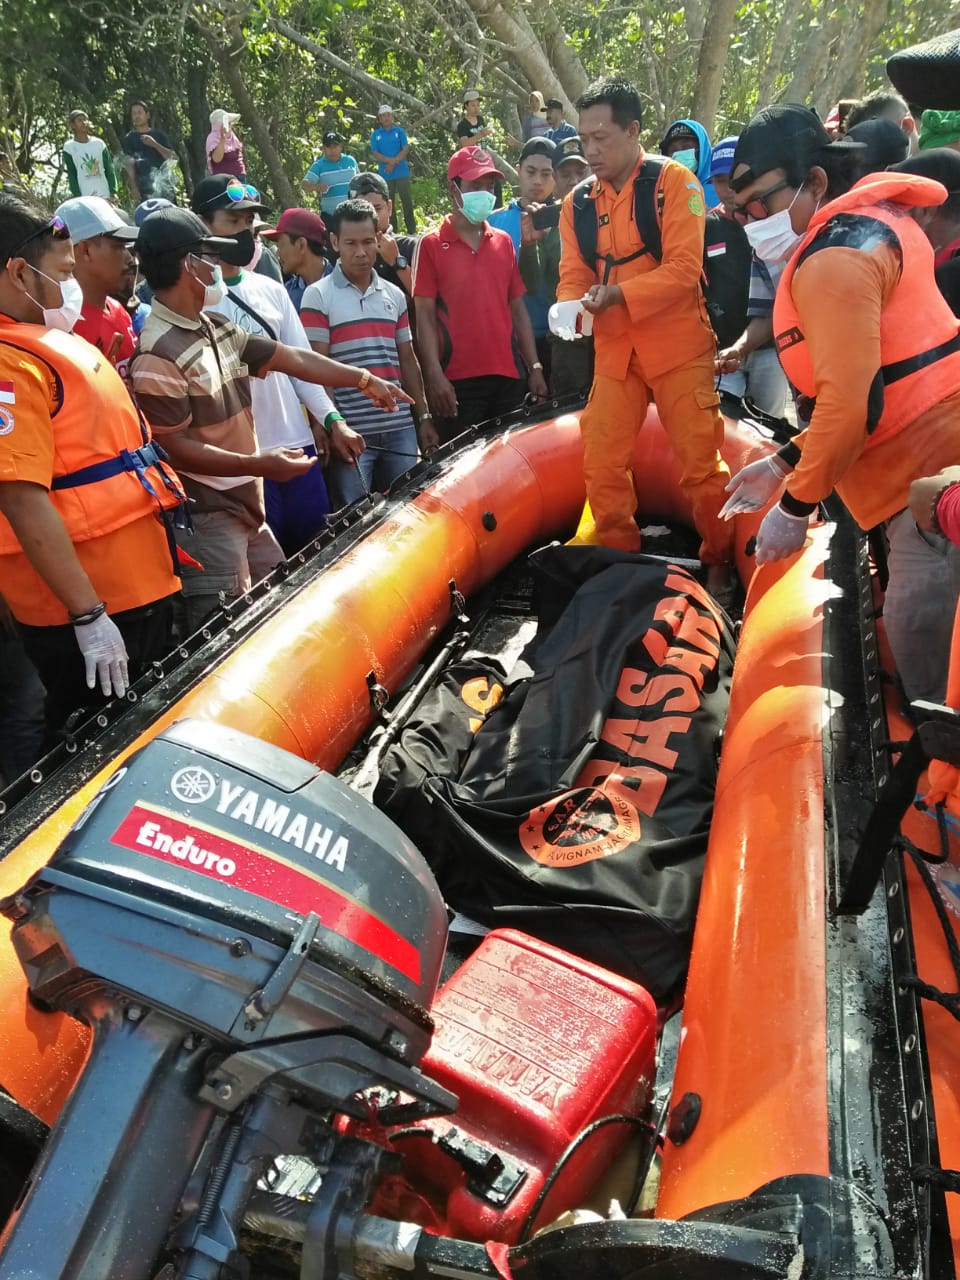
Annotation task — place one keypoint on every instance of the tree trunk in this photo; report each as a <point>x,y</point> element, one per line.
<point>514,30</point>
<point>198,111</point>
<point>694,19</point>
<point>780,43</point>
<point>563,57</point>
<point>843,75</point>
<point>230,64</point>
<point>713,58</point>
<point>808,64</point>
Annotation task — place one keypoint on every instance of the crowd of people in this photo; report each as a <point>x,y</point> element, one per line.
<point>186,393</point>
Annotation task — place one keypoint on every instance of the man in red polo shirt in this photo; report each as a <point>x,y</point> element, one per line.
<point>469,299</point>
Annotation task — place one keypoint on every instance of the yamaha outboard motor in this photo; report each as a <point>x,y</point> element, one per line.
<point>255,949</point>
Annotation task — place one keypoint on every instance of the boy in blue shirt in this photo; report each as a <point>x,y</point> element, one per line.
<point>333,161</point>
<point>389,146</point>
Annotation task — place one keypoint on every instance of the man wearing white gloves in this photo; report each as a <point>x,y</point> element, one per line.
<point>860,324</point>
<point>87,566</point>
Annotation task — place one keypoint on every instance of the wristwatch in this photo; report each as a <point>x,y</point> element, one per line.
<point>401,262</point>
<point>536,365</point>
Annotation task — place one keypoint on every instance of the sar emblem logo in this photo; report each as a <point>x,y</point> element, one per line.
<point>578,827</point>
<point>6,420</point>
<point>193,784</point>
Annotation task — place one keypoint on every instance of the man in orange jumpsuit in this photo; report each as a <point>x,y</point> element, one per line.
<point>652,335</point>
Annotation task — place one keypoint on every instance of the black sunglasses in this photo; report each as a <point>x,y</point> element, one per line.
<point>744,213</point>
<point>56,227</point>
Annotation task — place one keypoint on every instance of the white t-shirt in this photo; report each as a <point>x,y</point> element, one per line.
<point>87,159</point>
<point>278,400</point>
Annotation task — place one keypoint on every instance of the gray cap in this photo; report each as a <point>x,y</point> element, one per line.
<point>89,216</point>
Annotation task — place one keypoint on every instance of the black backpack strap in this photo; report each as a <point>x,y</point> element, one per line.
<point>585,220</point>
<point>647,212</point>
<point>648,204</point>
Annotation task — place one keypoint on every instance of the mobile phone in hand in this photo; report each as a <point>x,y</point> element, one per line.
<point>546,216</point>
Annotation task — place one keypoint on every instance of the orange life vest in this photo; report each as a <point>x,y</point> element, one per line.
<point>107,471</point>
<point>919,334</point>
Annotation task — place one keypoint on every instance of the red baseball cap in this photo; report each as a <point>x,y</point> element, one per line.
<point>296,223</point>
<point>472,163</point>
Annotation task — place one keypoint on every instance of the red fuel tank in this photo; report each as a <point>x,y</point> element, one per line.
<point>537,1044</point>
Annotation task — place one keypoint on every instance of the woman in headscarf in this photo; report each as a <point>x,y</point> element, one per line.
<point>535,123</point>
<point>224,148</point>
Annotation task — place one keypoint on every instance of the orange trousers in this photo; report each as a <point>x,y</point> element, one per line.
<point>689,408</point>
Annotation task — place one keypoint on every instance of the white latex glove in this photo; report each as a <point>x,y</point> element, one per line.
<point>780,534</point>
<point>104,654</point>
<point>753,486</point>
<point>569,320</point>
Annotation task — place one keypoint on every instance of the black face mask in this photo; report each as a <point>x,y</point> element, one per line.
<point>242,254</point>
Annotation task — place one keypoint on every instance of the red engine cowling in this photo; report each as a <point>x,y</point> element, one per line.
<point>537,1044</point>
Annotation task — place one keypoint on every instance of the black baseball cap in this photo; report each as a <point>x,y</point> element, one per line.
<point>885,142</point>
<point>173,230</point>
<point>942,164</point>
<point>568,149</point>
<point>553,104</point>
<point>224,191</point>
<point>330,137</point>
<point>784,134</point>
<point>538,147</point>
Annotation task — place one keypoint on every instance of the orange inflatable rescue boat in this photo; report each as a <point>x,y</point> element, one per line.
<point>804,1120</point>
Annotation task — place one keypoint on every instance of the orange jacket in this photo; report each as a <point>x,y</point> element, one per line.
<point>919,344</point>
<point>664,318</point>
<point>70,406</point>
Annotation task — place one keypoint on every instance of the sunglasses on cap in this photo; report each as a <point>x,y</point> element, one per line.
<point>756,207</point>
<point>236,190</point>
<point>56,227</point>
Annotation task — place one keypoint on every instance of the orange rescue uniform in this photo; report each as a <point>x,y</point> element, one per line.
<point>658,345</point>
<point>62,407</point>
<point>844,313</point>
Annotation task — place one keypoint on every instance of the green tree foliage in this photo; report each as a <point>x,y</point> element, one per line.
<point>297,67</point>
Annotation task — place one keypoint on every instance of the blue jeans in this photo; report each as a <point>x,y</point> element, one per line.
<point>389,453</point>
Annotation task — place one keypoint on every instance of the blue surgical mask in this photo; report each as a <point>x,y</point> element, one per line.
<point>478,205</point>
<point>687,158</point>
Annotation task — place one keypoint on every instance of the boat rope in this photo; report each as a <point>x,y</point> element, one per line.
<point>947,1180</point>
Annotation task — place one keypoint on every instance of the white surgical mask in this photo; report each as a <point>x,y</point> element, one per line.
<point>773,239</point>
<point>214,292</point>
<point>67,314</point>
<point>687,158</point>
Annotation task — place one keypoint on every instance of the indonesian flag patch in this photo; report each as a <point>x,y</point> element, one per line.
<point>7,394</point>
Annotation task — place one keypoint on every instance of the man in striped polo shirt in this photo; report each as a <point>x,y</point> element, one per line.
<point>191,377</point>
<point>358,318</point>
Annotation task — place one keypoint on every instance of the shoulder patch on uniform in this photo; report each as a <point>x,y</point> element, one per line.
<point>6,420</point>
<point>695,204</point>
<point>604,219</point>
